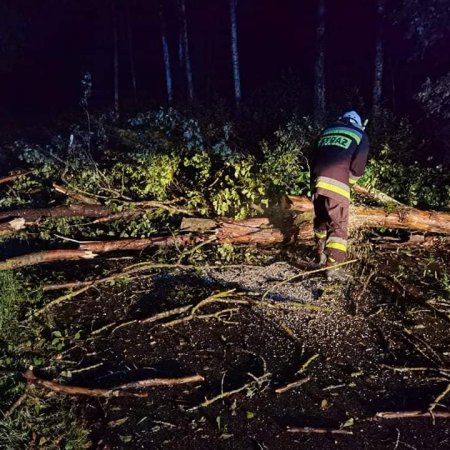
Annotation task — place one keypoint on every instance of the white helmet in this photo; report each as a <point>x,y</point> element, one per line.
<point>353,117</point>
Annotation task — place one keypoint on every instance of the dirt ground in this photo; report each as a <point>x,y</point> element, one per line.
<point>356,349</point>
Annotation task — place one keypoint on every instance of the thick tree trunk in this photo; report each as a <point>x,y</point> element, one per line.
<point>166,54</point>
<point>186,53</point>
<point>319,70</point>
<point>131,56</point>
<point>31,215</point>
<point>400,217</point>
<point>116,58</point>
<point>257,231</point>
<point>379,62</point>
<point>235,52</point>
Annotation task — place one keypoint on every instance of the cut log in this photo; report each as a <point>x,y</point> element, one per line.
<point>12,226</point>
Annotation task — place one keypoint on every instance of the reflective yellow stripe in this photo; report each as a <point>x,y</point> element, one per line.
<point>355,136</point>
<point>336,189</point>
<point>321,235</point>
<point>337,246</point>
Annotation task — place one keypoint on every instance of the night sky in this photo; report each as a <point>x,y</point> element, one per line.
<point>50,44</point>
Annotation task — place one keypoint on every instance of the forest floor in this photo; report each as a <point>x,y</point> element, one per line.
<point>377,343</point>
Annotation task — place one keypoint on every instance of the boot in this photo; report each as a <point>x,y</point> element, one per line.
<point>321,257</point>
<point>321,260</point>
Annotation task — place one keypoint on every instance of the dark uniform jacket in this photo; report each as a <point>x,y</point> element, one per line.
<point>340,159</point>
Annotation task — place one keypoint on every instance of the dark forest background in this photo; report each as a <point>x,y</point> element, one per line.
<point>47,47</point>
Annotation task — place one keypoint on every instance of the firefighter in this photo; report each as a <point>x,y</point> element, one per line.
<point>340,158</point>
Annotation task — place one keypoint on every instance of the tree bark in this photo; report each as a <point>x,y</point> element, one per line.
<point>48,256</point>
<point>399,217</point>
<point>131,55</point>
<point>235,52</point>
<point>116,58</point>
<point>31,215</point>
<point>166,54</point>
<point>319,70</point>
<point>257,231</point>
<point>10,178</point>
<point>186,53</point>
<point>360,217</point>
<point>379,62</point>
<point>12,227</point>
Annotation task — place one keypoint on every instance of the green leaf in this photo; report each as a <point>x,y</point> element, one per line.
<point>348,423</point>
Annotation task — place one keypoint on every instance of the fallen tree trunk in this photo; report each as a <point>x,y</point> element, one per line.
<point>57,212</point>
<point>258,231</point>
<point>100,213</point>
<point>360,217</point>
<point>400,217</point>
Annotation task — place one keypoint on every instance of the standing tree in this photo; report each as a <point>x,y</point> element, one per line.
<point>235,52</point>
<point>319,70</point>
<point>13,26</point>
<point>379,62</point>
<point>166,54</point>
<point>185,49</point>
<point>131,55</point>
<point>116,57</point>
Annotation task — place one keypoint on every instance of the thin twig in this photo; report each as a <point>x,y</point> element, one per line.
<point>309,430</point>
<point>61,299</point>
<point>257,382</point>
<point>410,414</point>
<point>438,399</point>
<point>195,248</point>
<point>292,385</point>
<point>154,318</point>
<point>17,403</point>
<point>307,363</point>
<point>215,298</point>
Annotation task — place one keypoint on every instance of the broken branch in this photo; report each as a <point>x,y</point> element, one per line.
<point>411,414</point>
<point>292,385</point>
<point>119,391</point>
<point>309,430</point>
<point>46,256</point>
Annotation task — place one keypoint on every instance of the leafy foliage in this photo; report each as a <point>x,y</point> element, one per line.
<point>435,97</point>
<point>427,22</point>
<point>413,185</point>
